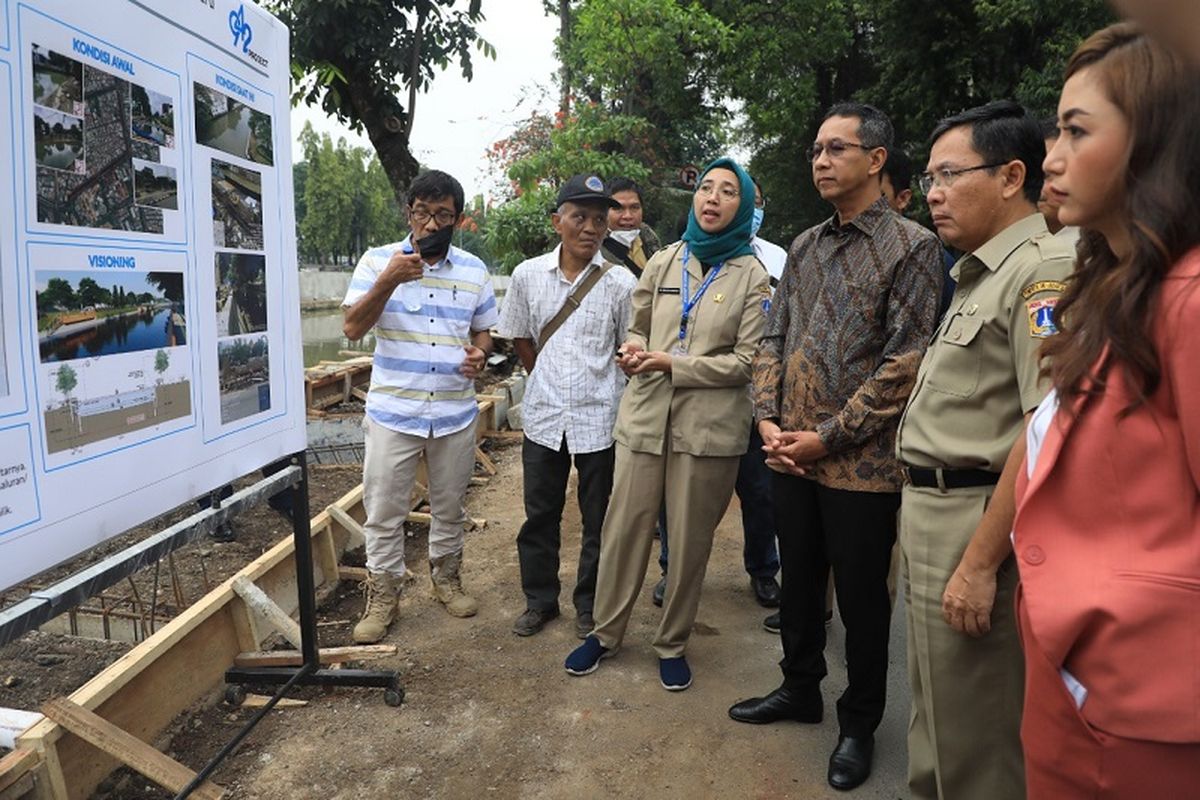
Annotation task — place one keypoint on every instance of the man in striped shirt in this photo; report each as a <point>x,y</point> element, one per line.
<point>431,306</point>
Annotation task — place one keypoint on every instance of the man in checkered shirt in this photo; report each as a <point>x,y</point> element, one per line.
<point>570,404</point>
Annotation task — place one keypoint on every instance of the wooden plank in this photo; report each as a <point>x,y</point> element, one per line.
<point>20,789</point>
<point>346,521</point>
<point>145,690</point>
<point>485,462</point>
<point>328,655</point>
<point>472,523</point>
<point>358,394</point>
<point>352,573</point>
<point>267,608</point>
<point>128,749</point>
<point>17,765</point>
<point>260,700</point>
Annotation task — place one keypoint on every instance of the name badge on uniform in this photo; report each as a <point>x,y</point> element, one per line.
<point>668,290</point>
<point>1041,317</point>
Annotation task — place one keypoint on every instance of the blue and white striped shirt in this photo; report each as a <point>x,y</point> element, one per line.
<point>416,387</point>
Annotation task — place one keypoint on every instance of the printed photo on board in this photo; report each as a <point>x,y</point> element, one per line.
<point>231,126</point>
<point>245,377</point>
<point>241,293</point>
<point>155,185</point>
<point>237,207</point>
<point>102,190</point>
<point>87,314</point>
<point>153,116</point>
<point>57,81</point>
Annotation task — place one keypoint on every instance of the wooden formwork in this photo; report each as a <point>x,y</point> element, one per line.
<point>181,664</point>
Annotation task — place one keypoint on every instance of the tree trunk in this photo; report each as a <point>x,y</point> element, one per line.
<point>564,35</point>
<point>387,134</point>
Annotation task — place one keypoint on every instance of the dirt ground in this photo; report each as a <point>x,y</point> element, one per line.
<point>489,714</point>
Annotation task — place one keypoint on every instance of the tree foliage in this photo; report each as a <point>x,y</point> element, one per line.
<point>345,203</point>
<point>654,60</point>
<point>364,63</point>
<point>789,61</point>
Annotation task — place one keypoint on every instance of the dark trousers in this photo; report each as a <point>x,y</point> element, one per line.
<point>753,488</point>
<point>852,533</point>
<point>538,542</point>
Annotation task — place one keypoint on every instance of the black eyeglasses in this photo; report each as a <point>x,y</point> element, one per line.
<point>420,216</point>
<point>946,176</point>
<point>836,149</point>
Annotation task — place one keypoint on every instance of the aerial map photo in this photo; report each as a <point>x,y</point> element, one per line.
<point>85,169</point>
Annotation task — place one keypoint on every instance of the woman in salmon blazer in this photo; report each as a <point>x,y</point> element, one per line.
<point>1107,533</point>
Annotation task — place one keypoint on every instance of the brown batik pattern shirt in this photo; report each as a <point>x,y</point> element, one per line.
<point>845,335</point>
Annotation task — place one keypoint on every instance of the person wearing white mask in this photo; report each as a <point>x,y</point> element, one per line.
<point>629,241</point>
<point>772,256</point>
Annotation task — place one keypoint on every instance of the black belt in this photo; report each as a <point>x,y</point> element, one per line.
<point>950,478</point>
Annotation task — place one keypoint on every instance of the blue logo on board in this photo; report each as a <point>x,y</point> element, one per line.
<point>242,34</point>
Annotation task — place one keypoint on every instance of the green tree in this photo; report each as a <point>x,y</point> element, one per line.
<point>788,62</point>
<point>358,60</point>
<point>169,284</point>
<point>57,294</point>
<point>653,60</point>
<point>89,293</point>
<point>161,362</point>
<point>66,380</point>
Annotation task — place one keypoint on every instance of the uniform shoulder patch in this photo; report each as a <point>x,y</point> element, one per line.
<point>1042,286</point>
<point>1041,317</point>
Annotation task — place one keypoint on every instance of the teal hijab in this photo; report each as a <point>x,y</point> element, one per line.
<point>734,239</point>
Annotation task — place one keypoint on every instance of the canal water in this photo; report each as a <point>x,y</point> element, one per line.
<point>323,338</point>
<point>125,334</point>
<point>231,132</point>
<point>59,156</point>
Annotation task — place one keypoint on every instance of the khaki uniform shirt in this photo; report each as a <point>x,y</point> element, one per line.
<point>979,376</point>
<point>702,404</point>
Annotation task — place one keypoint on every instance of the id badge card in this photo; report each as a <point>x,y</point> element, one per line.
<point>680,349</point>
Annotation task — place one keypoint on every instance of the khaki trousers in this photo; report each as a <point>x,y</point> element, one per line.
<point>964,734</point>
<point>697,490</point>
<point>389,470</point>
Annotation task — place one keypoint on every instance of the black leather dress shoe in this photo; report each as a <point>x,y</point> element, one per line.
<point>850,763</point>
<point>781,704</point>
<point>766,591</point>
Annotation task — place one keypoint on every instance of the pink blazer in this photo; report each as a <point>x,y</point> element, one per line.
<point>1107,537</point>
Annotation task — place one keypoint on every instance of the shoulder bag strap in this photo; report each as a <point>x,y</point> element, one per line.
<point>574,299</point>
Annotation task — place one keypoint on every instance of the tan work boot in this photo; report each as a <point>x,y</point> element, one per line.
<point>447,585</point>
<point>383,602</point>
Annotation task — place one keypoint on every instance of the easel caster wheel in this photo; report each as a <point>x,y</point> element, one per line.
<point>393,696</point>
<point>235,694</point>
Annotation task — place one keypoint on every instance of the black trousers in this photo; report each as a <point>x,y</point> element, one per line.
<point>538,542</point>
<point>851,532</point>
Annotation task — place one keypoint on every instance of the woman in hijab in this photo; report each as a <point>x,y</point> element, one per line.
<point>698,314</point>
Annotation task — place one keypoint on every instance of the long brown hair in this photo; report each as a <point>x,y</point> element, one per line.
<point>1111,301</point>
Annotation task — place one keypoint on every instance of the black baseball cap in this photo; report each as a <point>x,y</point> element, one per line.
<point>585,188</point>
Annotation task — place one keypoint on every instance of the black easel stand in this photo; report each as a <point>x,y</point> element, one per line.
<point>309,673</point>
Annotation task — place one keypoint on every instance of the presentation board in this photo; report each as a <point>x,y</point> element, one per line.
<point>149,296</point>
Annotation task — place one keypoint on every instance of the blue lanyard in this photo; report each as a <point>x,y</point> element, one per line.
<point>689,304</point>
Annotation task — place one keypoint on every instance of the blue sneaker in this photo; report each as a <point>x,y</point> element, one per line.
<point>585,658</point>
<point>674,674</point>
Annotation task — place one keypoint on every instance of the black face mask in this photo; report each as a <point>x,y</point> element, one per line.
<point>436,244</point>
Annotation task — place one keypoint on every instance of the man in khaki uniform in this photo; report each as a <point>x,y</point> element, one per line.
<point>960,438</point>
